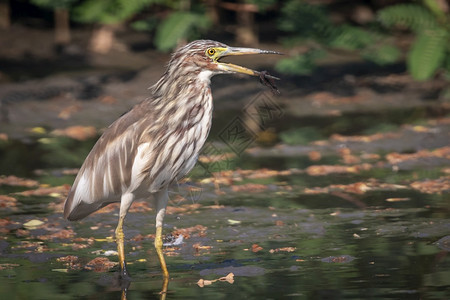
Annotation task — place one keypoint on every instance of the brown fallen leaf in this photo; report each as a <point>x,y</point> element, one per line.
<point>80,133</point>
<point>108,99</point>
<point>198,247</point>
<point>187,232</point>
<point>71,261</point>
<point>314,155</point>
<point>57,191</point>
<point>256,248</point>
<point>61,234</point>
<point>67,112</point>
<point>433,186</point>
<point>100,264</point>
<point>8,202</point>
<point>140,206</point>
<point>364,138</point>
<point>183,208</point>
<point>396,158</point>
<point>320,170</point>
<point>279,223</point>
<point>16,181</point>
<point>249,187</point>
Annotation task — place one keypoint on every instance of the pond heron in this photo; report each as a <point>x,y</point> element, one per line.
<point>156,143</point>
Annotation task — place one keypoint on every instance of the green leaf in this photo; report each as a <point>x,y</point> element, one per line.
<point>427,53</point>
<point>435,8</point>
<point>382,55</point>
<point>351,38</point>
<point>412,16</point>
<point>177,26</point>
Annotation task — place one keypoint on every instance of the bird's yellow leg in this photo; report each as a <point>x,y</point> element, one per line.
<point>161,198</point>
<point>162,261</point>
<point>120,247</point>
<point>158,246</point>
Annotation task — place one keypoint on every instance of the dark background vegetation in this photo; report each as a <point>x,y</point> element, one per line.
<point>383,32</point>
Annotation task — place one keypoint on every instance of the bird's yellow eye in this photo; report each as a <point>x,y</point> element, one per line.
<point>211,51</point>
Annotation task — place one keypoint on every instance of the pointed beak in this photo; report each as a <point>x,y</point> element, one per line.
<point>231,68</point>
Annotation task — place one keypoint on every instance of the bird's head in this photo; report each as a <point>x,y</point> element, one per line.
<point>203,57</point>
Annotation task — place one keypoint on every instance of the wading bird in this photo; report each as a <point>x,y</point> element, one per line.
<point>156,142</point>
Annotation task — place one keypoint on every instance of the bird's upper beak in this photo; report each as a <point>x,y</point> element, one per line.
<point>228,67</point>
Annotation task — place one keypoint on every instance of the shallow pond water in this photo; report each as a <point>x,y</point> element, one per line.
<point>344,224</point>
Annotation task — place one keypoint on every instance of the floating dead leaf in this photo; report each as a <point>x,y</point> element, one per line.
<point>8,202</point>
<point>229,177</point>
<point>233,222</point>
<point>187,232</point>
<point>100,264</point>
<point>398,199</point>
<point>199,247</point>
<point>140,206</point>
<point>283,249</point>
<point>370,156</point>
<point>61,234</point>
<point>8,266</point>
<point>350,159</point>
<point>249,187</point>
<point>204,282</point>
<point>33,224</point>
<point>55,191</point>
<point>396,158</point>
<point>67,112</point>
<point>113,207</point>
<point>186,208</point>
<point>256,248</point>
<point>364,138</point>
<point>314,155</point>
<point>3,137</point>
<point>71,261</point>
<point>355,188</point>
<point>320,170</point>
<point>433,186</point>
<point>279,223</point>
<point>61,270</point>
<point>22,232</point>
<point>37,130</point>
<point>208,159</point>
<point>16,181</point>
<point>108,99</point>
<point>80,133</point>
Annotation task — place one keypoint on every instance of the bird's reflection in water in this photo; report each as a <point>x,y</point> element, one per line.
<point>125,284</point>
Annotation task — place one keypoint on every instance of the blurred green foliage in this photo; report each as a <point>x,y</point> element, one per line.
<point>310,26</point>
<point>54,4</point>
<point>180,25</point>
<point>431,26</point>
<point>109,11</point>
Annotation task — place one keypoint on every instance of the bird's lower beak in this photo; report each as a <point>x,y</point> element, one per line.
<point>228,67</point>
